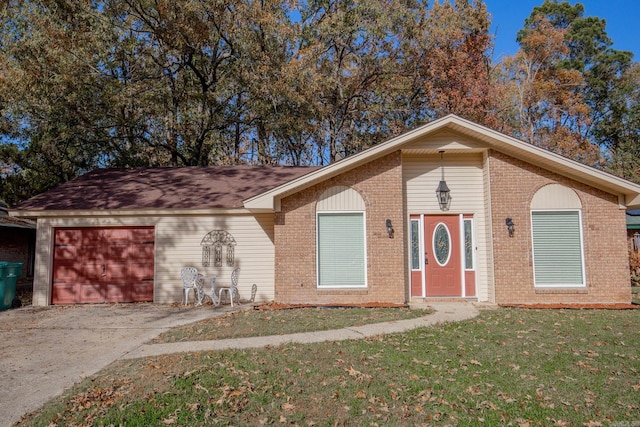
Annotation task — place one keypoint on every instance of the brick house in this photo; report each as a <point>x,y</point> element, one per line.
<point>521,225</point>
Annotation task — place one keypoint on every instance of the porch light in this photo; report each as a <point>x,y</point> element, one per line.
<point>442,192</point>
<point>389,228</point>
<point>510,226</point>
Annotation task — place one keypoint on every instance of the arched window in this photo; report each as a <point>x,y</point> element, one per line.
<point>341,247</point>
<point>556,224</point>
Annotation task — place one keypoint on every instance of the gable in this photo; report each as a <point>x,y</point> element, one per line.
<point>457,135</point>
<point>446,140</point>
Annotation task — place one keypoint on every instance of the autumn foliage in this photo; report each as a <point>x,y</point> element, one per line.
<point>124,83</point>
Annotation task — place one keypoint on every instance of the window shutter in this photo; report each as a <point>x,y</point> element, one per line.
<point>557,248</point>
<point>341,253</point>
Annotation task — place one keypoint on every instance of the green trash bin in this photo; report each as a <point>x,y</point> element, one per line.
<point>9,273</point>
<point>3,277</point>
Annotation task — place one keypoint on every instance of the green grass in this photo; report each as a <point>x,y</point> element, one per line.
<point>506,367</point>
<point>280,322</point>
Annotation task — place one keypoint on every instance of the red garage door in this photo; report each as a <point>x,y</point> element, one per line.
<point>95,265</point>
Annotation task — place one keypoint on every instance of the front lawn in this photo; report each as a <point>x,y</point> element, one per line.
<point>280,322</point>
<point>506,367</point>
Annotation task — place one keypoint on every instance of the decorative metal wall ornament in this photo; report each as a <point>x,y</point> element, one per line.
<point>206,256</point>
<point>217,239</point>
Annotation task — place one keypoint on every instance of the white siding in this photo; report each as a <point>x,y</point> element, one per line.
<point>177,244</point>
<point>447,141</point>
<point>465,178</point>
<point>555,196</point>
<point>340,198</point>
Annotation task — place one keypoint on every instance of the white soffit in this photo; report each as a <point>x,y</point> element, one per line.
<point>630,192</point>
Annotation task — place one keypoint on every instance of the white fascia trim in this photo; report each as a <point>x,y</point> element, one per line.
<point>127,212</point>
<point>628,190</point>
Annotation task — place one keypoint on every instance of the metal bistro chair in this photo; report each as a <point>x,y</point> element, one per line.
<point>214,300</point>
<point>232,290</point>
<point>192,280</point>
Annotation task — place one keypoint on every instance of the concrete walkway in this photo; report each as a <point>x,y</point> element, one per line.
<point>46,350</point>
<point>444,312</point>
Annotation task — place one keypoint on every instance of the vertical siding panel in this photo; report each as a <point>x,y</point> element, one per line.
<point>43,263</point>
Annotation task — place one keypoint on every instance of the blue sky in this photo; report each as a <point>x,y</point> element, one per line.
<point>622,17</point>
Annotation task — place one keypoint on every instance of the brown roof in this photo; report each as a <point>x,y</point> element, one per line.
<point>10,222</point>
<point>163,188</point>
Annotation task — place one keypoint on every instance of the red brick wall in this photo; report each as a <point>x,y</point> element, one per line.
<point>15,244</point>
<point>380,185</point>
<point>513,184</point>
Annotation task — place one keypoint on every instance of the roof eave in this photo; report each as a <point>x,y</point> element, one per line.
<point>632,201</point>
<point>149,212</point>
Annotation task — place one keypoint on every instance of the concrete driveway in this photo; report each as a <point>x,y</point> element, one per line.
<point>44,350</point>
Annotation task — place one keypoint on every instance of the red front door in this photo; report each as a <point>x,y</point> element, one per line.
<point>443,267</point>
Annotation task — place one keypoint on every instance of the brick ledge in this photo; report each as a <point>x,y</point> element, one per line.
<point>561,291</point>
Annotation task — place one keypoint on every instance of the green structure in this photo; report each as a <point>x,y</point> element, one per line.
<point>9,273</point>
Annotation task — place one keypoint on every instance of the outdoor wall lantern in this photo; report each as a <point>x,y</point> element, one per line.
<point>636,241</point>
<point>442,192</point>
<point>389,228</point>
<point>510,226</point>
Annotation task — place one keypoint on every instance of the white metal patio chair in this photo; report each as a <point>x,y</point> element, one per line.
<point>191,280</point>
<point>231,290</point>
<point>212,295</point>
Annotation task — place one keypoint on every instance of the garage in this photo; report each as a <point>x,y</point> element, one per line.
<point>103,265</point>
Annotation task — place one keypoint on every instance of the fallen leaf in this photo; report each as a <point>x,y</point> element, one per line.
<point>199,387</point>
<point>353,372</point>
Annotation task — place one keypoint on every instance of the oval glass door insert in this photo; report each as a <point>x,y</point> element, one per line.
<point>442,244</point>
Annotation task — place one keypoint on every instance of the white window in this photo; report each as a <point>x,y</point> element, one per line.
<point>556,225</point>
<point>468,244</point>
<point>341,244</point>
<point>415,244</point>
<point>341,250</point>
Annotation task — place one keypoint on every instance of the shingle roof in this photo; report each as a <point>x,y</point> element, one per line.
<point>8,222</point>
<point>163,188</point>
